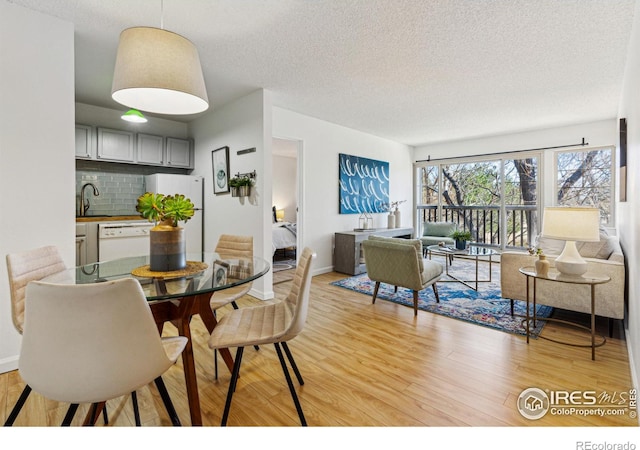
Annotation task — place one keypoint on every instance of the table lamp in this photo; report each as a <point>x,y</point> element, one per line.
<point>280,215</point>
<point>571,224</point>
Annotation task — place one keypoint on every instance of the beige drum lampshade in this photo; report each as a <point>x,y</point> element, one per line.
<point>158,71</point>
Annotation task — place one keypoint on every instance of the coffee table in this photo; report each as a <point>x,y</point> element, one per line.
<point>473,252</point>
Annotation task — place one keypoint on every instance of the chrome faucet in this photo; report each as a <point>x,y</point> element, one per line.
<point>84,205</point>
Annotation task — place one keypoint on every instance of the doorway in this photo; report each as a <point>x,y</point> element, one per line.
<point>286,197</point>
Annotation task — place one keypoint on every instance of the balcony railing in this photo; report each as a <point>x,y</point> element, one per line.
<point>484,222</point>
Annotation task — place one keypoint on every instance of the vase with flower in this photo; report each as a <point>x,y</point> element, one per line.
<point>541,264</point>
<point>167,243</point>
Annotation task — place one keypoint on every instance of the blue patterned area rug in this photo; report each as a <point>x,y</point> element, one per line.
<point>485,307</point>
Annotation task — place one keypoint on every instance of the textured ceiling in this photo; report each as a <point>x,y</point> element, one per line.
<point>414,71</point>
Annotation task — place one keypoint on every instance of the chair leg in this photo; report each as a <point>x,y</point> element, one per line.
<point>164,394</point>
<point>105,416</point>
<point>136,410</point>
<point>66,422</point>
<point>375,291</point>
<point>18,406</point>
<point>232,386</point>
<point>215,362</point>
<point>94,413</point>
<point>395,289</point>
<point>435,292</point>
<point>415,303</point>
<point>285,346</point>
<point>292,389</point>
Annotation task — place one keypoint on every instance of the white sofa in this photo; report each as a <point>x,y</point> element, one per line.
<point>603,258</point>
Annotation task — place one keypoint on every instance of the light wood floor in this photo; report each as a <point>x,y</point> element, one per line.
<point>376,365</point>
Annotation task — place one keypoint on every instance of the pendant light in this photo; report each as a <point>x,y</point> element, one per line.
<point>158,71</point>
<point>133,115</point>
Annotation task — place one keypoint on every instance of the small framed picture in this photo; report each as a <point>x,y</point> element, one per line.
<point>220,161</point>
<point>220,270</point>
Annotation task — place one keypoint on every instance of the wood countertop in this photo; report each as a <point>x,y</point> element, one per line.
<point>107,218</point>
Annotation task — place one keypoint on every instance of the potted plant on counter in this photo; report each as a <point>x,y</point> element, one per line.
<point>167,246</point>
<point>461,238</point>
<point>240,186</point>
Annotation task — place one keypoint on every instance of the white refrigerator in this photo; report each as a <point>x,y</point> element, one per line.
<point>190,186</point>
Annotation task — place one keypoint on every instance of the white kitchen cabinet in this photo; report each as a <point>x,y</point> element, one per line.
<point>179,153</point>
<point>115,145</point>
<point>84,142</point>
<point>150,149</point>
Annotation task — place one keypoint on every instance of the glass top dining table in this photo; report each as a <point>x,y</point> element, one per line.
<point>176,296</point>
<point>205,273</point>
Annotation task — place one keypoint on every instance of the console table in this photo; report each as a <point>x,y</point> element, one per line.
<point>554,275</point>
<point>348,251</point>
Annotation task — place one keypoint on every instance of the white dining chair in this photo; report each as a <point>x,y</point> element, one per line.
<point>231,246</point>
<point>26,266</point>
<point>272,323</point>
<point>91,343</point>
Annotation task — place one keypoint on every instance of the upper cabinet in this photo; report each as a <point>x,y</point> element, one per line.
<point>115,145</point>
<point>84,142</point>
<point>104,144</point>
<point>150,149</point>
<point>179,153</point>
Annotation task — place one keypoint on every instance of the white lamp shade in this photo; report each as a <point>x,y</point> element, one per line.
<point>571,224</point>
<point>158,71</point>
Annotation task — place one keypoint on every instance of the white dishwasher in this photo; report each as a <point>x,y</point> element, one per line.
<point>120,240</point>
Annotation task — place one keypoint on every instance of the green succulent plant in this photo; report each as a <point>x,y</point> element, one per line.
<point>165,208</point>
<point>240,181</point>
<point>461,235</point>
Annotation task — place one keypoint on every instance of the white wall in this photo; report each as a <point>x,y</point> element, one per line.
<point>239,125</point>
<point>37,139</point>
<point>596,134</point>
<point>322,142</point>
<point>285,185</point>
<point>628,212</point>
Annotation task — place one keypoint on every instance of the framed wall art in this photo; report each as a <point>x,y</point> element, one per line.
<point>363,185</point>
<point>220,273</point>
<point>220,161</point>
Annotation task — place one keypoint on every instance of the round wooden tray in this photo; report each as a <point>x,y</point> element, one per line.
<point>192,268</point>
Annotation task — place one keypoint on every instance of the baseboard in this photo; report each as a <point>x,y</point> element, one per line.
<point>9,364</point>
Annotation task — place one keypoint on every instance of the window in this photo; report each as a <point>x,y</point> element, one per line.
<point>495,199</point>
<point>585,178</point>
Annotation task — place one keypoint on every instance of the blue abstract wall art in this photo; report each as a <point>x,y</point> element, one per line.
<point>364,185</point>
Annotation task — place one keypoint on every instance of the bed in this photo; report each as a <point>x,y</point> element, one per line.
<point>284,235</point>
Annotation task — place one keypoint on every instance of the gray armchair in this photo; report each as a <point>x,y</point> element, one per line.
<point>435,232</point>
<point>399,262</point>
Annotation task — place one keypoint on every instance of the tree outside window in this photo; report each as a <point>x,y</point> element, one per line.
<point>585,178</point>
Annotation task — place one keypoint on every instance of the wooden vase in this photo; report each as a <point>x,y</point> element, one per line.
<point>167,248</point>
<point>542,266</point>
